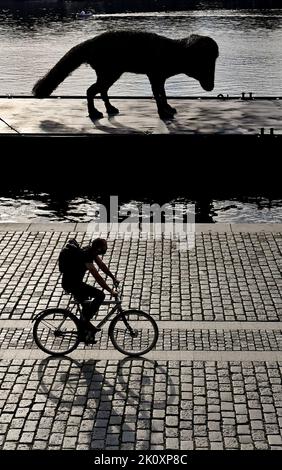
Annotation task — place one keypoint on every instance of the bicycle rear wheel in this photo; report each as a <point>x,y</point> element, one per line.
<point>133,332</point>
<point>56,332</point>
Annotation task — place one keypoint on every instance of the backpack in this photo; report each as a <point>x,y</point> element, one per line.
<point>69,256</point>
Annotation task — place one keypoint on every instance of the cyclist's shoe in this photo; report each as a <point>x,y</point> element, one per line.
<point>90,338</point>
<point>89,332</point>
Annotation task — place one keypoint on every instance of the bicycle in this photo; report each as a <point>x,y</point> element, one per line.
<point>58,331</point>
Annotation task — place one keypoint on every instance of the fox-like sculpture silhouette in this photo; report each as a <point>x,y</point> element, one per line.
<point>113,53</point>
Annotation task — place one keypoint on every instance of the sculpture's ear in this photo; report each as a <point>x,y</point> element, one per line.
<point>193,43</point>
<point>194,37</point>
<point>201,43</point>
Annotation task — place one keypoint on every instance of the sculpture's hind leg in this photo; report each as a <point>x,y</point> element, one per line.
<point>91,93</point>
<point>106,81</point>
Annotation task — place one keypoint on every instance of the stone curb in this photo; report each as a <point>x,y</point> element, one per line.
<point>82,227</point>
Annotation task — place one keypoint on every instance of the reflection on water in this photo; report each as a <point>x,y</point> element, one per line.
<point>27,206</point>
<point>249,41</point>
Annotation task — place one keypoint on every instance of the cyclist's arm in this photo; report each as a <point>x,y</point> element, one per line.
<point>91,268</point>
<point>104,268</point>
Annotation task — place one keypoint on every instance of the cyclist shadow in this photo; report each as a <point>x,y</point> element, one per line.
<point>149,389</point>
<point>103,411</point>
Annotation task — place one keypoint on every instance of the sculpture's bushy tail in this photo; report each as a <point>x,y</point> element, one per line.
<point>66,65</point>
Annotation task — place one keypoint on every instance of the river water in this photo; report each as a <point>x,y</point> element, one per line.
<point>250,61</point>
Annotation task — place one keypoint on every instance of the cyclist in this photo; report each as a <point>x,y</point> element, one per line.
<point>72,282</point>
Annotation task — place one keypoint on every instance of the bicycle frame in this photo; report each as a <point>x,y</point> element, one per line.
<point>117,306</point>
<point>111,312</point>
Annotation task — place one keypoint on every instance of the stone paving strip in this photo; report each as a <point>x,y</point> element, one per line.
<point>140,404</point>
<point>231,274</point>
<point>156,355</point>
<point>213,339</point>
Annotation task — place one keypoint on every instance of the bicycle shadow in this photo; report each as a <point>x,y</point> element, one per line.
<point>143,394</point>
<point>79,389</point>
<point>102,411</point>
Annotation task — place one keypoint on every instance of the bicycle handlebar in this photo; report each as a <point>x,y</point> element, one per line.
<point>117,286</point>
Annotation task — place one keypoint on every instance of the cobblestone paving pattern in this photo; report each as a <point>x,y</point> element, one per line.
<point>140,404</point>
<point>235,276</point>
<point>68,403</point>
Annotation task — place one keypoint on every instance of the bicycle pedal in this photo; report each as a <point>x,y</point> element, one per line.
<point>90,338</point>
<point>91,341</point>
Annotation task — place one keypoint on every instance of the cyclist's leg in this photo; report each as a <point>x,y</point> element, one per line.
<point>82,292</point>
<point>90,308</point>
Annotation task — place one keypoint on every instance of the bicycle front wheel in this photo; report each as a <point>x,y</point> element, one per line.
<point>133,332</point>
<point>56,332</point>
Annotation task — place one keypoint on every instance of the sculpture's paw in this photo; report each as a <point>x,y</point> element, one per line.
<point>166,114</point>
<point>112,111</point>
<point>95,115</point>
<point>171,110</point>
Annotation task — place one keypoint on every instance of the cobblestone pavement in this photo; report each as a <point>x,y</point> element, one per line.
<point>228,276</point>
<point>140,404</point>
<point>217,301</point>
